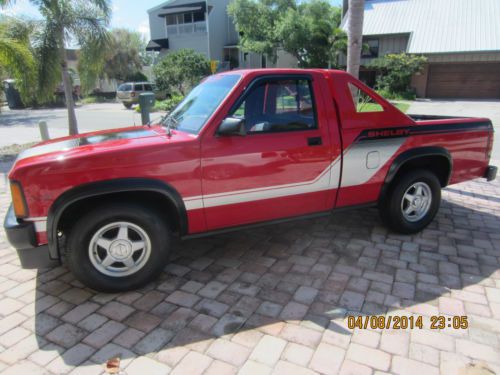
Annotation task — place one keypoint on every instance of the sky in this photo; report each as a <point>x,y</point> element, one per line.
<point>130,14</point>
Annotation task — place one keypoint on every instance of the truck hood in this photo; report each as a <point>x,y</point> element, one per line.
<point>107,140</point>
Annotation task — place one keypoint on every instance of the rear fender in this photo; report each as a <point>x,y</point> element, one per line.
<point>413,155</point>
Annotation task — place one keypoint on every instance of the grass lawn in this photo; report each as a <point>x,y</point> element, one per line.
<point>403,107</point>
<point>373,107</point>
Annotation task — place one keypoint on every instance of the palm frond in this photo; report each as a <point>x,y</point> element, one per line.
<point>17,58</point>
<point>49,59</point>
<point>92,59</point>
<point>104,6</point>
<point>5,3</point>
<point>89,28</point>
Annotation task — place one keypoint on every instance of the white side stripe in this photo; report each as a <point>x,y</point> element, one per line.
<point>40,226</point>
<point>355,173</point>
<point>324,181</point>
<point>39,222</point>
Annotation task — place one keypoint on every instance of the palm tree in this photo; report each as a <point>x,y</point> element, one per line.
<point>65,21</point>
<point>16,56</point>
<point>338,47</point>
<point>355,35</point>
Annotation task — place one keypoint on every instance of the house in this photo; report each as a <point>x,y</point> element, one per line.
<point>205,27</point>
<point>460,38</point>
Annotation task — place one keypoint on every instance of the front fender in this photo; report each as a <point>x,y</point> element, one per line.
<point>95,189</point>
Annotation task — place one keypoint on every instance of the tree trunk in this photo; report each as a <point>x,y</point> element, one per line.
<point>355,36</point>
<point>68,89</point>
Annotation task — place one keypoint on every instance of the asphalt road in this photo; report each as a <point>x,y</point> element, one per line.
<point>21,126</point>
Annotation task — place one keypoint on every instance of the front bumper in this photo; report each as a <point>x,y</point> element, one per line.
<point>22,236</point>
<point>491,173</point>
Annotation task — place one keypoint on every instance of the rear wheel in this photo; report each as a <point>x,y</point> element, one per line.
<point>412,202</point>
<point>128,105</point>
<point>118,247</point>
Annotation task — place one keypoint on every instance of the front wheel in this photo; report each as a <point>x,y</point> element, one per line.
<point>412,202</point>
<point>118,247</point>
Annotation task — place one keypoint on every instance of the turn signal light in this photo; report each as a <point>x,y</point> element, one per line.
<point>18,201</point>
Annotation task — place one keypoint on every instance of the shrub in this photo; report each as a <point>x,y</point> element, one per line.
<point>395,72</point>
<point>180,71</point>
<point>93,99</point>
<point>166,105</point>
<point>408,95</point>
<point>169,104</point>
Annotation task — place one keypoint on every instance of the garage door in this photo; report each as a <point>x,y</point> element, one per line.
<point>481,81</point>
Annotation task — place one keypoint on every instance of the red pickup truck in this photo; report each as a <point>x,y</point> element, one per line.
<point>244,147</point>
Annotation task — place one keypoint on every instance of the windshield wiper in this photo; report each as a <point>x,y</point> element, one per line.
<point>162,118</point>
<point>170,120</point>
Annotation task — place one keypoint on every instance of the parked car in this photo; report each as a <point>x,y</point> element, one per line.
<point>243,148</point>
<point>128,93</point>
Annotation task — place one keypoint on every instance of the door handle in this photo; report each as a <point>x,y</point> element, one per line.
<point>314,141</point>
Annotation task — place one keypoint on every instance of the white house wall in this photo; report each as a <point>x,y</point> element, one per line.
<point>218,19</point>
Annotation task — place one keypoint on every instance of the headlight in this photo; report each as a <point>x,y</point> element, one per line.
<point>18,201</point>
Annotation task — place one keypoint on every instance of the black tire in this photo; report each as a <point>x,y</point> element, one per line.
<point>390,206</point>
<point>78,254</point>
<point>128,105</point>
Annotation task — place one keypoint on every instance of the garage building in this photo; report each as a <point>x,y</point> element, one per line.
<point>460,38</point>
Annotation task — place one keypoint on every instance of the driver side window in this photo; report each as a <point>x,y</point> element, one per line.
<point>278,106</point>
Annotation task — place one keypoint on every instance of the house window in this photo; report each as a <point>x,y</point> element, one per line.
<point>186,23</point>
<point>199,16</point>
<point>370,48</point>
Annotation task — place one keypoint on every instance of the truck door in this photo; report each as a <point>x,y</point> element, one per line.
<point>284,166</point>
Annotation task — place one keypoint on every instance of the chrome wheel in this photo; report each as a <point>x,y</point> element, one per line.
<point>119,249</point>
<point>416,202</point>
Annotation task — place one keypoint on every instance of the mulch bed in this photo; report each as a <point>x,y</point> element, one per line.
<point>9,153</point>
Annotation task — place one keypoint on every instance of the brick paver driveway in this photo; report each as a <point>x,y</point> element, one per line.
<point>275,300</point>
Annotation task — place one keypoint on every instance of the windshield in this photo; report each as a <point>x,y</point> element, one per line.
<point>195,110</point>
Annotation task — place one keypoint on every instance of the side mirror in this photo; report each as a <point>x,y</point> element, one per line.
<point>232,126</point>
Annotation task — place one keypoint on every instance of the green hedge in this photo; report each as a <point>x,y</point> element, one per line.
<point>165,105</point>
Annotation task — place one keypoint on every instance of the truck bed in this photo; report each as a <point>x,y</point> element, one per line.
<point>433,117</point>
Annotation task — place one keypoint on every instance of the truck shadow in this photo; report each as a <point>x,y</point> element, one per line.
<point>312,273</point>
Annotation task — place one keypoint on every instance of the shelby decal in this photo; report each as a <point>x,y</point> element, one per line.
<point>388,133</point>
<point>423,130</point>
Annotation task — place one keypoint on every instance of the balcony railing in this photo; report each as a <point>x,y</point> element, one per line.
<point>187,28</point>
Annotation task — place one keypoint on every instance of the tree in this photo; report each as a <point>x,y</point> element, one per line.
<point>257,21</point>
<point>303,29</point>
<point>179,71</point>
<point>65,21</point>
<point>16,55</point>
<point>312,33</point>
<point>395,72</point>
<point>338,39</point>
<point>121,60</point>
<point>355,35</point>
